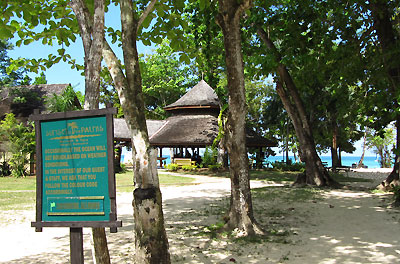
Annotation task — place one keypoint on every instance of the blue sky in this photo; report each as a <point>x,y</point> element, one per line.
<point>62,72</point>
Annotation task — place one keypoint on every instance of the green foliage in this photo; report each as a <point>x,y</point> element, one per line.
<point>13,78</point>
<point>210,157</point>
<point>381,142</point>
<point>24,101</point>
<point>5,169</point>
<point>396,195</point>
<point>21,140</point>
<point>205,42</point>
<point>214,167</point>
<point>41,79</point>
<point>108,93</point>
<point>50,22</point>
<point>189,167</point>
<point>164,79</point>
<point>307,42</point>
<point>172,167</point>
<point>64,102</point>
<point>283,166</point>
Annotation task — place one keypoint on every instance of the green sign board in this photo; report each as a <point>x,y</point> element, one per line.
<point>75,170</point>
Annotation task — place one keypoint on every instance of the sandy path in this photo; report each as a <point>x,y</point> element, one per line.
<point>344,227</point>
<point>349,227</point>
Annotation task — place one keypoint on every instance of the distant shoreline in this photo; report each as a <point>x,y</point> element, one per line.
<point>381,170</point>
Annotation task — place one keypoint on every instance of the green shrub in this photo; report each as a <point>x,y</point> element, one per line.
<point>189,167</point>
<point>215,167</point>
<point>396,195</point>
<point>123,168</point>
<point>21,138</point>
<point>210,157</point>
<point>283,166</point>
<point>172,167</point>
<point>4,169</point>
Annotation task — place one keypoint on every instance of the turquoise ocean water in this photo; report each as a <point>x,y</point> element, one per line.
<point>371,162</point>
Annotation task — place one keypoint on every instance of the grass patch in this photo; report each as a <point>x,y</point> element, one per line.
<point>273,175</point>
<point>342,178</point>
<point>18,184</point>
<point>207,172</point>
<point>21,200</point>
<point>286,194</point>
<point>17,193</point>
<point>20,193</point>
<point>214,231</point>
<point>124,181</point>
<point>264,175</point>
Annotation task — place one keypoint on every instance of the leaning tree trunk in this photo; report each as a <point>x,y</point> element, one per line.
<point>389,43</point>
<point>241,209</point>
<point>334,148</point>
<point>316,174</point>
<point>92,33</point>
<point>117,158</point>
<point>151,244</point>
<point>361,161</point>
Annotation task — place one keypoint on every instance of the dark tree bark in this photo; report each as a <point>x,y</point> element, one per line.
<point>334,148</point>
<point>390,49</point>
<point>361,161</point>
<point>117,159</point>
<point>316,174</point>
<point>241,208</point>
<point>92,34</point>
<point>151,243</point>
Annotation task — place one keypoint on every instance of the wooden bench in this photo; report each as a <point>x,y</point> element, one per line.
<point>344,169</point>
<point>184,162</point>
<point>347,169</point>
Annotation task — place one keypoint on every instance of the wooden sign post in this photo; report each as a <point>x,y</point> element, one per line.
<point>75,180</point>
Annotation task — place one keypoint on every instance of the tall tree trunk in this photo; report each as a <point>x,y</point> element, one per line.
<point>222,157</point>
<point>92,33</point>
<point>316,173</point>
<point>241,208</point>
<point>151,244</point>
<point>287,143</point>
<point>117,158</point>
<point>334,148</point>
<point>390,48</point>
<point>361,161</point>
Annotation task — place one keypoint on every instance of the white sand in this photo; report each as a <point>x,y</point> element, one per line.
<point>345,226</point>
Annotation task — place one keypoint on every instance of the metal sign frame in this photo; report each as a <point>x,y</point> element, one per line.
<point>80,210</point>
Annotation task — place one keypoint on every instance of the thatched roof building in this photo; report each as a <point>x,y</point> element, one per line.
<point>36,100</point>
<point>41,91</point>
<point>193,123</point>
<point>122,133</point>
<point>200,96</point>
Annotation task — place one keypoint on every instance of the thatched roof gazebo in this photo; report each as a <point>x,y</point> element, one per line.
<point>193,123</point>
<point>37,100</point>
<point>41,91</point>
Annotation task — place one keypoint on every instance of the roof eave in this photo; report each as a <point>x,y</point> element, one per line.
<point>191,107</point>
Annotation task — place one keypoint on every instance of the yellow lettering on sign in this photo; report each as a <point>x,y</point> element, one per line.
<point>91,184</point>
<point>98,169</point>
<point>97,155</point>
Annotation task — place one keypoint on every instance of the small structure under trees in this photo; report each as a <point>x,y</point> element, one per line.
<point>193,124</point>
<point>22,100</point>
